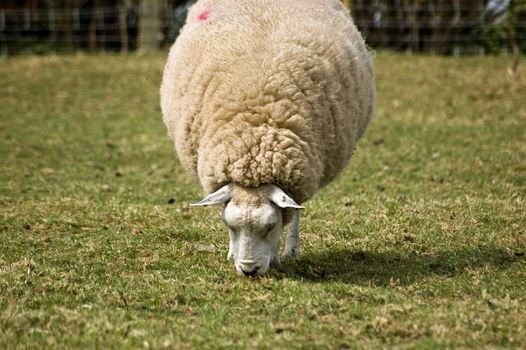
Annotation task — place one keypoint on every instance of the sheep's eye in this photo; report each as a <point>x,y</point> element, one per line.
<point>270,227</point>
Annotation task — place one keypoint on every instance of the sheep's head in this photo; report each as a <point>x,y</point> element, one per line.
<point>255,218</point>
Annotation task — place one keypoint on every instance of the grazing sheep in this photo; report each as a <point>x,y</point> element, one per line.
<point>266,101</point>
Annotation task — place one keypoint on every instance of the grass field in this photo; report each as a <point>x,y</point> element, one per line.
<point>419,244</point>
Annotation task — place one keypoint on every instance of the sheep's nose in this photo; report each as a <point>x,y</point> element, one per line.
<point>249,270</point>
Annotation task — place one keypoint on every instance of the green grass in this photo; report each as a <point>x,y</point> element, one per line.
<point>419,244</point>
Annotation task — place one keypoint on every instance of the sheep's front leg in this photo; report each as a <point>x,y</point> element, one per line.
<point>231,247</point>
<point>292,240</point>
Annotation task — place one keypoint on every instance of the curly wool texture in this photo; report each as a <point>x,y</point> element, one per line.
<point>268,91</point>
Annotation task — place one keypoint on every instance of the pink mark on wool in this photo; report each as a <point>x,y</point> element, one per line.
<point>204,16</point>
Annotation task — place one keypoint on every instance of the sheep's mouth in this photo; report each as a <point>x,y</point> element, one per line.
<point>252,271</point>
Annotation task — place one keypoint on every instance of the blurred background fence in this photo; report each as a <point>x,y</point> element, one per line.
<point>431,26</point>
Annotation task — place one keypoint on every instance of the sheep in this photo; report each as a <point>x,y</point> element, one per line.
<point>265,101</point>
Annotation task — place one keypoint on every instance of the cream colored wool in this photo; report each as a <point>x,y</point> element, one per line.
<point>268,91</point>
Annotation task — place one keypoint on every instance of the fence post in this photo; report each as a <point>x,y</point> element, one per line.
<point>53,28</point>
<point>92,29</point>
<point>512,37</point>
<point>27,19</point>
<point>4,49</point>
<point>123,27</point>
<point>67,26</point>
<point>415,26</point>
<point>100,19</point>
<point>76,19</point>
<point>149,26</point>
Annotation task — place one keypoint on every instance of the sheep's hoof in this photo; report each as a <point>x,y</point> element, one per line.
<point>276,262</point>
<point>291,253</point>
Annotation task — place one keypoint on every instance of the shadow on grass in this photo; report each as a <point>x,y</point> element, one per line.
<point>383,268</point>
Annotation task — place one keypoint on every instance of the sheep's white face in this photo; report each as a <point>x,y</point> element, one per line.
<point>254,236</point>
<point>254,218</point>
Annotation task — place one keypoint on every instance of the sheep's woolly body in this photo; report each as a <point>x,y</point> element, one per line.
<point>268,91</point>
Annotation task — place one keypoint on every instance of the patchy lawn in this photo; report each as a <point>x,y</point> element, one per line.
<point>419,244</point>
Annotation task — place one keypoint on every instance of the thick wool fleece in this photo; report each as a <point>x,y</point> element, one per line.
<point>268,91</point>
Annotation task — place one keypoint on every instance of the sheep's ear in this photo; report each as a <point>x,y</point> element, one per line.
<point>221,196</point>
<point>280,198</point>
